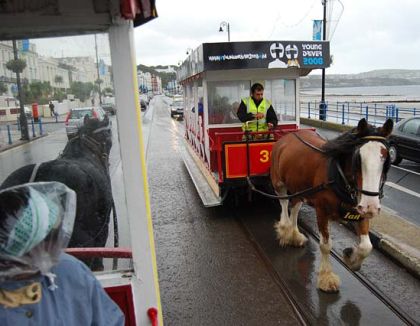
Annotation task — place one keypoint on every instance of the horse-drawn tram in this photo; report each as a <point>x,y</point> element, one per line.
<point>84,163</point>
<point>216,77</point>
<point>341,178</point>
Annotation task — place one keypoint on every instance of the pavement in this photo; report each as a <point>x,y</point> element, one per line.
<point>389,233</point>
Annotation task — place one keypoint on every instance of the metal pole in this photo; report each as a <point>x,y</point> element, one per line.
<point>97,70</point>
<point>22,117</point>
<point>228,28</point>
<point>322,105</point>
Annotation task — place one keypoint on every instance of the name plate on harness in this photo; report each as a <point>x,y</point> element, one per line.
<point>348,213</point>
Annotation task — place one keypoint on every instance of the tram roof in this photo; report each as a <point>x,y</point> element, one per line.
<point>301,55</point>
<point>46,18</point>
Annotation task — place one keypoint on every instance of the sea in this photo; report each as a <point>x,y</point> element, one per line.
<point>410,92</point>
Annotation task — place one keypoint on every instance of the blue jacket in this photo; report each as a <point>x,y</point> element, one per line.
<point>78,300</point>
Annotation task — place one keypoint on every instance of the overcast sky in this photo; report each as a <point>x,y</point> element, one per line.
<point>371,34</point>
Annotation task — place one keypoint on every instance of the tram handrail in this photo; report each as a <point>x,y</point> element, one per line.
<point>90,252</point>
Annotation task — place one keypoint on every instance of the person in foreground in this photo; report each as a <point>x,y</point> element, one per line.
<point>255,112</point>
<point>39,284</point>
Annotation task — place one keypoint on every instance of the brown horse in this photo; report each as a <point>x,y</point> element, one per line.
<point>341,177</point>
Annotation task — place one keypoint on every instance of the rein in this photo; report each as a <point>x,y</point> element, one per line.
<point>351,191</point>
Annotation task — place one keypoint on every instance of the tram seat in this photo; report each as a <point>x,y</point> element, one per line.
<point>121,294</point>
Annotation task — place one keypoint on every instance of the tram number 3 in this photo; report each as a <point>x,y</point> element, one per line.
<point>264,156</point>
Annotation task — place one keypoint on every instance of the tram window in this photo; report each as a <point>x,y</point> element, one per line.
<point>281,93</point>
<point>224,99</point>
<point>96,168</point>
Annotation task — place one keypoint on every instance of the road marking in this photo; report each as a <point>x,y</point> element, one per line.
<point>406,170</point>
<point>403,189</point>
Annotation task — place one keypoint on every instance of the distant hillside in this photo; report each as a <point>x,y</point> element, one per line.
<point>384,77</point>
<point>165,76</point>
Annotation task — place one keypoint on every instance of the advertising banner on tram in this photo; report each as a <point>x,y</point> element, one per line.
<point>267,54</point>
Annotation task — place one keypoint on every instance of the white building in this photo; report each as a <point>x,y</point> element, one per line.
<point>144,80</point>
<point>85,68</point>
<point>30,73</point>
<point>52,70</point>
<point>49,71</point>
<point>168,69</point>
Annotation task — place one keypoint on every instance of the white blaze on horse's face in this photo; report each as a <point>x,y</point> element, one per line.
<point>372,163</point>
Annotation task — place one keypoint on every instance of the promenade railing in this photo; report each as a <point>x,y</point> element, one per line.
<point>349,113</point>
<point>10,131</point>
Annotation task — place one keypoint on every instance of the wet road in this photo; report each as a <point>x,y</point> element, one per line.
<point>209,271</point>
<point>222,266</point>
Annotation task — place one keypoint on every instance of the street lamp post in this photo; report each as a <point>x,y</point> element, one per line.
<point>224,25</point>
<point>322,104</point>
<point>97,70</point>
<point>22,117</point>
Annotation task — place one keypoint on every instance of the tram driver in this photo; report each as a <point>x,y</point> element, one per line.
<point>255,112</point>
<point>39,284</point>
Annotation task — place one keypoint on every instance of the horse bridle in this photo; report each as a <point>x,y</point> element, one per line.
<point>98,148</point>
<point>356,164</point>
<point>351,187</point>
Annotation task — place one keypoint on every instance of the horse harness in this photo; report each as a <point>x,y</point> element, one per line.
<point>98,149</point>
<point>94,146</point>
<point>338,182</point>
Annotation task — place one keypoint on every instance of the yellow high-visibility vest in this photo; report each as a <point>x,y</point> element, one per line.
<point>260,124</point>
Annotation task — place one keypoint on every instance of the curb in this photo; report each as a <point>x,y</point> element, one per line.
<point>392,250</point>
<point>20,142</point>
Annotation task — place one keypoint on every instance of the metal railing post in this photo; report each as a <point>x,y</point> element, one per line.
<point>396,114</point>
<point>33,128</point>
<point>9,135</point>
<point>309,110</point>
<point>40,127</point>
<point>367,113</point>
<point>342,115</point>
<point>348,112</point>
<point>374,120</point>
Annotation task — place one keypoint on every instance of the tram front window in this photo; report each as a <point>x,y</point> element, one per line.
<point>223,100</point>
<point>282,94</point>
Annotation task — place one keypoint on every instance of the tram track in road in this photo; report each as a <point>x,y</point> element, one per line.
<point>359,301</point>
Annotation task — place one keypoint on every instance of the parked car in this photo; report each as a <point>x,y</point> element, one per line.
<point>404,142</point>
<point>74,119</point>
<point>28,112</point>
<point>177,108</point>
<point>109,108</point>
<point>143,105</point>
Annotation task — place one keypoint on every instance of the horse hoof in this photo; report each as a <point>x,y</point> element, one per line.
<point>298,239</point>
<point>347,252</point>
<point>328,282</point>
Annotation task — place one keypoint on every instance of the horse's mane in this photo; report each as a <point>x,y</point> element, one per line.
<point>346,142</point>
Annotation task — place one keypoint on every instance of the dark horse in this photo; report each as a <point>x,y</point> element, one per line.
<point>83,167</point>
<point>342,177</point>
